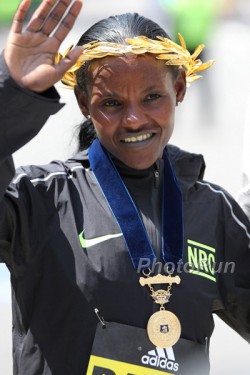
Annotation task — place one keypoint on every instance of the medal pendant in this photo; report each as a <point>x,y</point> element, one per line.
<point>164,329</point>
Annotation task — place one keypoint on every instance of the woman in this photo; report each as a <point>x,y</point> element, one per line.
<point>83,239</point>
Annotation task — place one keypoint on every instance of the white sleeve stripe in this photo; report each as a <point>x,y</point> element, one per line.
<point>76,167</point>
<point>19,177</point>
<point>48,177</point>
<point>229,205</point>
<point>34,180</point>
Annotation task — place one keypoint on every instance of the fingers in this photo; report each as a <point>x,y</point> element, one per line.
<point>19,17</point>
<point>68,22</point>
<point>55,16</point>
<point>40,15</point>
<point>50,14</point>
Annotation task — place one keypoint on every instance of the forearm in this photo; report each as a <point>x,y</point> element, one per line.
<point>22,115</point>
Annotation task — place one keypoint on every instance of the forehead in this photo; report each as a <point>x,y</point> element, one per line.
<point>122,67</point>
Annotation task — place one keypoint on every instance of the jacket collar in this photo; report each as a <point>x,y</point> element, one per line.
<point>189,167</point>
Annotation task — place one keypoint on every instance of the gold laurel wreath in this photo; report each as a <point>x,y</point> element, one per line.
<point>163,48</point>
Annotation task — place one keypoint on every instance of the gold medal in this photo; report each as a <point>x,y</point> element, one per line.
<point>164,329</point>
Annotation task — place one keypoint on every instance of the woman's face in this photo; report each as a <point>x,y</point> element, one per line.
<point>131,101</point>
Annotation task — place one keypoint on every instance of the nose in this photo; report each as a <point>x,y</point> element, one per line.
<point>134,117</point>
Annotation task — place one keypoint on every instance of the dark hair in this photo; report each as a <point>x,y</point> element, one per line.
<point>112,29</point>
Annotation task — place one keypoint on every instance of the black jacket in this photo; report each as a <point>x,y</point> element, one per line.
<point>58,280</point>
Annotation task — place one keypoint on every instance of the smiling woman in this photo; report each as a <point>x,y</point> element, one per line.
<point>78,236</point>
<point>133,117</point>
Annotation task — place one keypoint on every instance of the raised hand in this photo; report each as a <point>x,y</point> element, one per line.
<point>30,53</point>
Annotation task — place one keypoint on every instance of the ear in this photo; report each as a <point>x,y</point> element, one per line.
<point>82,101</point>
<point>180,86</point>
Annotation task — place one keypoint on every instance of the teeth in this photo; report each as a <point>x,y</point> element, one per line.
<point>140,138</point>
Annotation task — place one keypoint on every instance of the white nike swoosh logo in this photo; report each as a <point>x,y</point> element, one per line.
<point>95,241</point>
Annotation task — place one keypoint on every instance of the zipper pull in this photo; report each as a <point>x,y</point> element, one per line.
<point>157,178</point>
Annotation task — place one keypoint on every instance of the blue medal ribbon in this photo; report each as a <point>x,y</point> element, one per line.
<point>127,215</point>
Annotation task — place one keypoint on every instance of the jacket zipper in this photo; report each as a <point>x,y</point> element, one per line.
<point>157,177</point>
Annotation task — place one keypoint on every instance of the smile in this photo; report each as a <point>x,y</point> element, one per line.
<point>139,138</point>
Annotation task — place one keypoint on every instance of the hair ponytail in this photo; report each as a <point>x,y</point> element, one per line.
<point>86,135</point>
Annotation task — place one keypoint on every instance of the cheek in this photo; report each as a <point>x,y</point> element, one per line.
<point>166,116</point>
<point>167,120</point>
<point>106,124</point>
<point>102,119</point>
<point>103,130</point>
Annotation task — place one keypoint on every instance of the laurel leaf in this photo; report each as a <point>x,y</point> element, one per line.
<point>182,41</point>
<point>197,51</point>
<point>164,49</point>
<point>204,66</point>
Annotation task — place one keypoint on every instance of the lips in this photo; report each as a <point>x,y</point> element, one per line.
<point>138,138</point>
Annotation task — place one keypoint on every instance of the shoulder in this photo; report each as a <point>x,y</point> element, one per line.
<point>44,175</point>
<point>189,167</point>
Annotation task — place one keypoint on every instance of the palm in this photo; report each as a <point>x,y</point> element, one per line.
<point>30,54</point>
<point>31,58</point>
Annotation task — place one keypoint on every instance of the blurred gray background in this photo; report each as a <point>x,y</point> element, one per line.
<point>214,120</point>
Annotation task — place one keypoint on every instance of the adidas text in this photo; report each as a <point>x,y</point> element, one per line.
<point>163,363</point>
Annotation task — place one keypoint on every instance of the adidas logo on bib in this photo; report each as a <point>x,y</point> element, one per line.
<point>162,358</point>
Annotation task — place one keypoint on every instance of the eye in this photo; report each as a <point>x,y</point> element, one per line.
<point>152,97</point>
<point>111,103</point>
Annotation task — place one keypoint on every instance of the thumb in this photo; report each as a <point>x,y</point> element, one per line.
<point>68,61</point>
